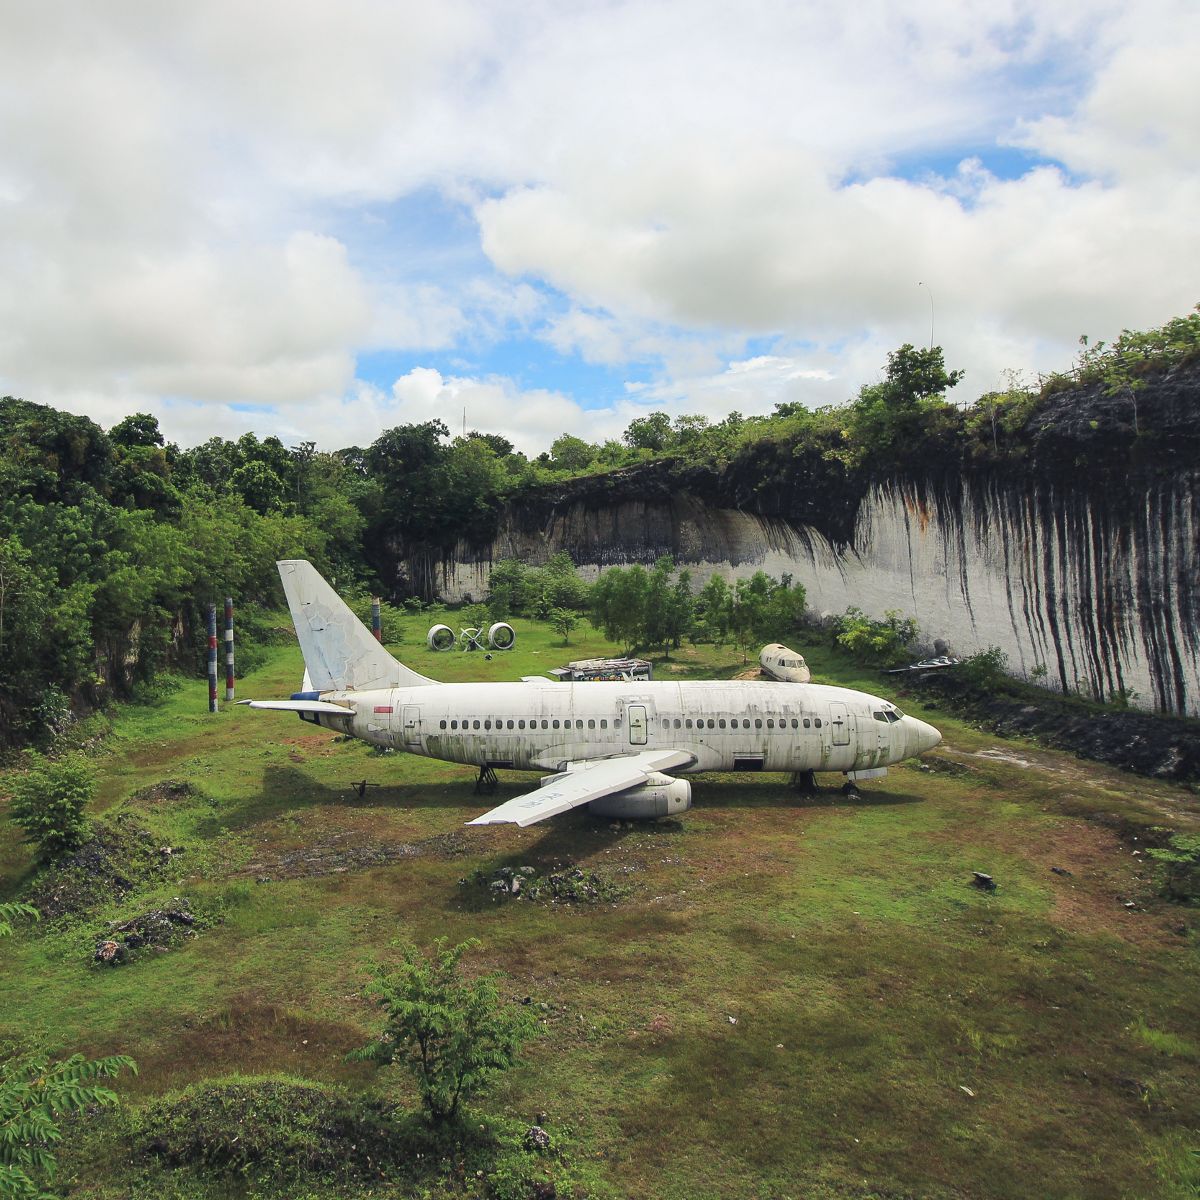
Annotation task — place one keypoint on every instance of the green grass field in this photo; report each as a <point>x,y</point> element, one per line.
<point>794,997</point>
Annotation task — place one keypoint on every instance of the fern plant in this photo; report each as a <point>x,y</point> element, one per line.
<point>34,1094</point>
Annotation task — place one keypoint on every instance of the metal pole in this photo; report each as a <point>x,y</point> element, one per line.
<point>930,291</point>
<point>228,649</point>
<point>212,658</point>
<point>376,619</point>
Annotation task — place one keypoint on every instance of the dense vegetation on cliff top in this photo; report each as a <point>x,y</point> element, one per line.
<point>112,542</point>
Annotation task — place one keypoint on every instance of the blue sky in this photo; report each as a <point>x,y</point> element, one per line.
<point>319,221</point>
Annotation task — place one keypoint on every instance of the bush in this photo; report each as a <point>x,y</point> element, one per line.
<point>1180,863</point>
<point>49,802</point>
<point>986,668</point>
<point>452,1034</point>
<point>879,643</point>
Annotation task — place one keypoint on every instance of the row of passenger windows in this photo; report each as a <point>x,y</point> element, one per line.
<point>667,723</point>
<point>531,724</point>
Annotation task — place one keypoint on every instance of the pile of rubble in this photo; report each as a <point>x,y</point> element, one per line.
<point>568,885</point>
<point>157,930</point>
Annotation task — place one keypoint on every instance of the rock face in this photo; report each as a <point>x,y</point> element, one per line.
<point>1079,556</point>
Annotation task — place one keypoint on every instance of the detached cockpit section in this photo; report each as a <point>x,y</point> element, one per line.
<point>778,662</point>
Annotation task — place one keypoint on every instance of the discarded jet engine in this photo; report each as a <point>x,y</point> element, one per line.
<point>501,636</point>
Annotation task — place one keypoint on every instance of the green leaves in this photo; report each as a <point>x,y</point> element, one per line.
<point>49,802</point>
<point>452,1034</point>
<point>34,1093</point>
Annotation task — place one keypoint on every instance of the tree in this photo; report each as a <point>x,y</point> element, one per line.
<point>570,453</point>
<point>649,433</point>
<point>618,602</point>
<point>562,621</point>
<point>508,589</point>
<point>49,801</point>
<point>452,1034</point>
<point>714,611</point>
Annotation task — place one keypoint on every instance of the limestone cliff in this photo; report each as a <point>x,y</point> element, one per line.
<point>1077,552</point>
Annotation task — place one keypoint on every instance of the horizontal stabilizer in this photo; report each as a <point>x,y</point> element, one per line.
<point>301,706</point>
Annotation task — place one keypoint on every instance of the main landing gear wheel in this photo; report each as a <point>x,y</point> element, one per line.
<point>850,790</point>
<point>805,782</point>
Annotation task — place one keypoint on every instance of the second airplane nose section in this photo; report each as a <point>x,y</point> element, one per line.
<point>927,736</point>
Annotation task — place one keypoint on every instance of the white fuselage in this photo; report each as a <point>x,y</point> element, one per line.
<point>726,726</point>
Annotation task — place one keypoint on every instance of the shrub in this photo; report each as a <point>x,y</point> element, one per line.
<point>452,1034</point>
<point>49,802</point>
<point>880,643</point>
<point>986,668</point>
<point>1180,863</point>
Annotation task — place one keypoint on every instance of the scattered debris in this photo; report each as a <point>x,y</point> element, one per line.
<point>537,1139</point>
<point>962,1087</point>
<point>1060,871</point>
<point>570,885</point>
<point>157,930</point>
<point>983,881</point>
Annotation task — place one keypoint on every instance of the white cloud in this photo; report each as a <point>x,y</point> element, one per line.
<point>179,187</point>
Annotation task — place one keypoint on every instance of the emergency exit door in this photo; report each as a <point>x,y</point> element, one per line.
<point>839,724</point>
<point>412,725</point>
<point>636,714</point>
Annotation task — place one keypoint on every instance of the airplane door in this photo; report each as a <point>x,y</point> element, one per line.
<point>636,715</point>
<point>839,723</point>
<point>412,725</point>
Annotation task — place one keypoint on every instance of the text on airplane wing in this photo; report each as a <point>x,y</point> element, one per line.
<point>583,782</point>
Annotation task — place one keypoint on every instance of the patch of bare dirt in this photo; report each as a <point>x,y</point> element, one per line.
<point>347,852</point>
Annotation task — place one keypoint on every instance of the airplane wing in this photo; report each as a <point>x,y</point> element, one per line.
<point>301,706</point>
<point>581,782</point>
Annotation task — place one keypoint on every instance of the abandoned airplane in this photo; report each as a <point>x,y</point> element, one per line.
<point>606,745</point>
<point>778,662</point>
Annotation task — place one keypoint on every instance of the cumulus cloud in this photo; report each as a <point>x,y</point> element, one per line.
<point>662,189</point>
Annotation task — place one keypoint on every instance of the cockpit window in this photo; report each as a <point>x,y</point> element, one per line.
<point>893,716</point>
<point>880,717</point>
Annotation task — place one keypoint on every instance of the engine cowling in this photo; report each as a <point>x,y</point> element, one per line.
<point>660,796</point>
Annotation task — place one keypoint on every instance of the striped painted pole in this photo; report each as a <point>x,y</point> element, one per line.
<point>212,658</point>
<point>376,619</point>
<point>228,649</point>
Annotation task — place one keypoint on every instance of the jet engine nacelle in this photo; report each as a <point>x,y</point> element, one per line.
<point>660,796</point>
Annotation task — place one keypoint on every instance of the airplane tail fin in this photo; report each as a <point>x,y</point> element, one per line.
<point>340,652</point>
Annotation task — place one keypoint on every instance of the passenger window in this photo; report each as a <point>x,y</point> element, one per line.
<point>546,724</point>
<point>721,723</point>
<point>770,724</point>
<point>712,724</point>
<point>807,723</point>
<point>603,723</point>
<point>509,724</point>
<point>678,723</point>
<point>591,723</point>
<point>441,724</point>
<point>521,724</point>
<point>687,724</point>
<point>474,724</point>
<point>554,724</point>
<point>453,724</point>
<point>616,722</point>
<point>487,724</point>
<point>817,722</point>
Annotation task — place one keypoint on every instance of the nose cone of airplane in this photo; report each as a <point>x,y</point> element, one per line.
<point>927,736</point>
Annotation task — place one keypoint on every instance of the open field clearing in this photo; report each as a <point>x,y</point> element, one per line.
<point>774,995</point>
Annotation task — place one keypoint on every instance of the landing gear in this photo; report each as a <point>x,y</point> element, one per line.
<point>805,782</point>
<point>486,781</point>
<point>850,790</point>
